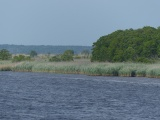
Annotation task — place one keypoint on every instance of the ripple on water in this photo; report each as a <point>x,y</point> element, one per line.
<point>44,96</point>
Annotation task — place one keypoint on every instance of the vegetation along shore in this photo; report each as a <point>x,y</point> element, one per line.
<point>85,67</point>
<point>132,53</point>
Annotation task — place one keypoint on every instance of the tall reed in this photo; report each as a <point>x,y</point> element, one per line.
<point>6,65</point>
<point>153,71</point>
<point>23,66</point>
<point>89,68</point>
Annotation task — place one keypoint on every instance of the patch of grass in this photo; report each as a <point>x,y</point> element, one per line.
<point>23,67</point>
<point>6,65</point>
<point>153,71</point>
<point>86,67</point>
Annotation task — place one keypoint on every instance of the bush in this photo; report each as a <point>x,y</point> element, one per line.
<point>33,53</point>
<point>55,59</point>
<point>143,60</point>
<point>20,58</point>
<point>4,54</point>
<point>67,55</point>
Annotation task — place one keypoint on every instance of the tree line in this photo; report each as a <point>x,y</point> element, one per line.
<point>139,45</point>
<point>6,55</point>
<point>68,55</point>
<point>43,49</point>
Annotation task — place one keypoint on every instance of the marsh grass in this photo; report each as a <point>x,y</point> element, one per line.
<point>128,69</point>
<point>23,67</point>
<point>153,71</point>
<point>6,65</point>
<point>86,67</point>
<point>5,68</point>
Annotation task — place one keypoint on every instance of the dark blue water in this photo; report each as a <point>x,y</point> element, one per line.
<point>43,96</point>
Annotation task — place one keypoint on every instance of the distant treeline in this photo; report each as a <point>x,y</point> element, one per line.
<point>43,49</point>
<point>140,45</point>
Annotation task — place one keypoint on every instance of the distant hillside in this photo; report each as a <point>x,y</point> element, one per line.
<point>43,49</point>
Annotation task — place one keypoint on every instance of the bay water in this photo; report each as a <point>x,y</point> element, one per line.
<point>47,96</point>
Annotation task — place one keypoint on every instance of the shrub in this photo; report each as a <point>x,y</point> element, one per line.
<point>33,53</point>
<point>67,55</point>
<point>144,60</point>
<point>55,59</point>
<point>20,58</point>
<point>4,54</point>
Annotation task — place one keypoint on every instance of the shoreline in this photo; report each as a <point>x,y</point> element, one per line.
<point>86,68</point>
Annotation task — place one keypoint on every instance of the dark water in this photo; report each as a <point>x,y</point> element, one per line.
<point>42,96</point>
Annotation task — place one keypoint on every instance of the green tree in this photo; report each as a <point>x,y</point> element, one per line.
<point>130,54</point>
<point>67,55</point>
<point>20,58</point>
<point>33,53</point>
<point>4,54</point>
<point>128,45</point>
<point>69,52</point>
<point>56,58</point>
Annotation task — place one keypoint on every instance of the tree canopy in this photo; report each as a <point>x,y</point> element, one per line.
<point>4,54</point>
<point>128,45</point>
<point>19,58</point>
<point>33,53</point>
<point>66,56</point>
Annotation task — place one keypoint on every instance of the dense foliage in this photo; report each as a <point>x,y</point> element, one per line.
<point>20,58</point>
<point>139,45</point>
<point>4,54</point>
<point>33,53</point>
<point>56,58</point>
<point>66,56</point>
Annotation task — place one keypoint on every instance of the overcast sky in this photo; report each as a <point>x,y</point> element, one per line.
<point>72,22</point>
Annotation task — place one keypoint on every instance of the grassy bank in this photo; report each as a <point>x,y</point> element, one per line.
<point>6,65</point>
<point>86,67</point>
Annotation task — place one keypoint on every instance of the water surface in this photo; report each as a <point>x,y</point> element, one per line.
<point>44,96</point>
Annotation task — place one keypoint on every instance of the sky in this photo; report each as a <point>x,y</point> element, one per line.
<point>72,22</point>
